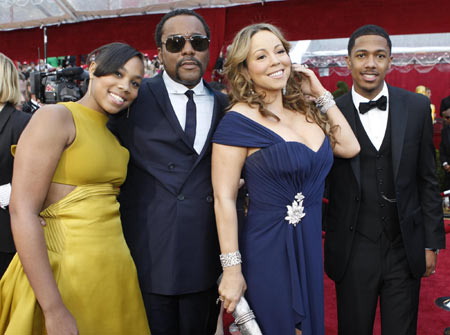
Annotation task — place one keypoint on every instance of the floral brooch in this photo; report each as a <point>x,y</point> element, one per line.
<point>295,212</point>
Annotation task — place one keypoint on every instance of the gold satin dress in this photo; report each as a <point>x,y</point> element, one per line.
<point>88,254</point>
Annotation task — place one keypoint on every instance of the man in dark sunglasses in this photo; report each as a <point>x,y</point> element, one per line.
<point>167,202</point>
<point>183,48</point>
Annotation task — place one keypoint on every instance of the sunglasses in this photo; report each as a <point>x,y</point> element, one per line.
<point>175,43</point>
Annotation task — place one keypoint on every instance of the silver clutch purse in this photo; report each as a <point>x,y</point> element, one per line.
<point>244,317</point>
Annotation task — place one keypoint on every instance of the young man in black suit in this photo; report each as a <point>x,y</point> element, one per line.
<point>167,203</point>
<point>384,223</point>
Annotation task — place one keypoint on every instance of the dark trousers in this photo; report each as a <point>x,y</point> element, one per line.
<point>5,259</point>
<point>186,314</point>
<point>377,270</point>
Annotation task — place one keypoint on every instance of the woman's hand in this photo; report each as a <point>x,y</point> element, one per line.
<point>60,322</point>
<point>232,287</point>
<point>310,85</point>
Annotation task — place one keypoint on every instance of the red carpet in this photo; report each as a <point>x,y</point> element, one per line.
<point>432,319</point>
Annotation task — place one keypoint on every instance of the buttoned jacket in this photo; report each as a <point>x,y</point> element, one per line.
<point>416,187</point>
<point>167,204</point>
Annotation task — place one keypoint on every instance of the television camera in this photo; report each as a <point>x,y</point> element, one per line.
<point>68,84</point>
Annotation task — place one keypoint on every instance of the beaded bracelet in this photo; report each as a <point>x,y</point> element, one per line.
<point>325,102</point>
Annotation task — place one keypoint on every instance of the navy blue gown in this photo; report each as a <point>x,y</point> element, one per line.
<point>282,261</point>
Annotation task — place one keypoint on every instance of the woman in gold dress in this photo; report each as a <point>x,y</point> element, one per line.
<point>75,275</point>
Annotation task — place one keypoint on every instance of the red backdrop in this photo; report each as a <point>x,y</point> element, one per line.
<point>305,19</point>
<point>438,82</point>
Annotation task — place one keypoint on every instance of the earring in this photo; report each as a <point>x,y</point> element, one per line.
<point>128,112</point>
<point>251,88</point>
<point>284,90</point>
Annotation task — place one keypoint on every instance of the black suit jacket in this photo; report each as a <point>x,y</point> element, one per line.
<point>445,104</point>
<point>417,191</point>
<point>167,199</point>
<point>444,146</point>
<point>12,123</point>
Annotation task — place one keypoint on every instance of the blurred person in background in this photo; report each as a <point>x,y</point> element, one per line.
<point>444,147</point>
<point>218,87</point>
<point>12,123</point>
<point>426,91</point>
<point>445,104</point>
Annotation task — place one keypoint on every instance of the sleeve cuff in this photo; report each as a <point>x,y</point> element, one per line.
<point>5,194</point>
<point>436,251</point>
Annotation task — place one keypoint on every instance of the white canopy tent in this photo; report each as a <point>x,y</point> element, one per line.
<point>19,14</point>
<point>421,52</point>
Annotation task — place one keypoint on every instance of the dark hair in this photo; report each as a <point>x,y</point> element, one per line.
<point>217,86</point>
<point>369,29</point>
<point>111,57</point>
<point>177,12</point>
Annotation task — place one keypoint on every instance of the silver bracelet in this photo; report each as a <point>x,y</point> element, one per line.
<point>325,102</point>
<point>230,259</point>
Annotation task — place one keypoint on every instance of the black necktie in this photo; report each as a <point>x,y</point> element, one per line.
<point>381,103</point>
<point>191,117</point>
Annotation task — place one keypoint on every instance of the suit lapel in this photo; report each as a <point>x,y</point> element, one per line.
<point>399,117</point>
<point>5,114</point>
<point>162,98</point>
<point>349,111</point>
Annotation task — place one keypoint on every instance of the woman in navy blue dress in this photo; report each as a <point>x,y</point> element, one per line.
<point>281,132</point>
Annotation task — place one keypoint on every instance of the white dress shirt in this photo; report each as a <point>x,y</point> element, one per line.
<point>375,120</point>
<point>204,102</point>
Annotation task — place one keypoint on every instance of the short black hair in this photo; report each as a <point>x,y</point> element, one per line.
<point>217,86</point>
<point>111,57</point>
<point>176,12</point>
<point>369,29</point>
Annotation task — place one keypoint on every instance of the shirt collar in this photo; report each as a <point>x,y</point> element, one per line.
<point>176,88</point>
<point>357,98</point>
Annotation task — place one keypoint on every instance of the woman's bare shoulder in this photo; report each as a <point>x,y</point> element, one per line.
<point>246,110</point>
<point>52,123</point>
<point>53,115</point>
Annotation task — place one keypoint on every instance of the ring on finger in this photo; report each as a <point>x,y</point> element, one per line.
<point>219,299</point>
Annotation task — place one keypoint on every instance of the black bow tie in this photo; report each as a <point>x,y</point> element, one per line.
<point>381,103</point>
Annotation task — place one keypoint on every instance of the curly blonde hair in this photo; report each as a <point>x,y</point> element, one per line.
<point>241,85</point>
